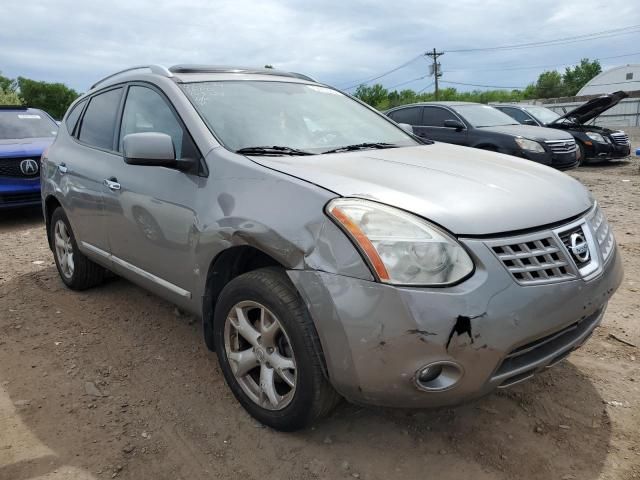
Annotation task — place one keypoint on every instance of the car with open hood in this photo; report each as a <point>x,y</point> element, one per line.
<point>329,253</point>
<point>593,142</point>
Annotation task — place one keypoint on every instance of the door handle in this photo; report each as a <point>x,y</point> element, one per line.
<point>62,168</point>
<point>112,183</point>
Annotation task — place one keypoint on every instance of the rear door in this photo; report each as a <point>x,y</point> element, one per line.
<point>150,210</point>
<point>433,119</point>
<point>85,163</point>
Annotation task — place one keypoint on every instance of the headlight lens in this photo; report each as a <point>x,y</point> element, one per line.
<point>596,137</point>
<point>529,145</point>
<point>400,247</point>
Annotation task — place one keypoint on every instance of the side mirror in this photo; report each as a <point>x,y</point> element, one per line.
<point>457,124</point>
<point>406,127</point>
<point>152,149</point>
<point>530,121</point>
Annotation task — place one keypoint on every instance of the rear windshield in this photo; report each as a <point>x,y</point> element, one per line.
<point>24,124</point>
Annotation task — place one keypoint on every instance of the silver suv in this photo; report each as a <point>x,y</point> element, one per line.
<point>329,252</point>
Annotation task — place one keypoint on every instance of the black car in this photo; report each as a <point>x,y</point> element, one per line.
<point>482,126</point>
<point>593,142</point>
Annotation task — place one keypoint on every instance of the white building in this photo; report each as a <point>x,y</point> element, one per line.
<point>625,78</point>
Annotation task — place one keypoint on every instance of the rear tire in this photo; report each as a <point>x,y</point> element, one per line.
<point>277,377</point>
<point>76,270</point>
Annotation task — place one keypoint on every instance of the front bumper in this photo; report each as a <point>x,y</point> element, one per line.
<point>15,192</point>
<point>606,151</point>
<point>375,337</point>
<point>560,161</point>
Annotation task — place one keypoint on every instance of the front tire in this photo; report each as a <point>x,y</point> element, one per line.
<point>269,351</point>
<point>76,270</point>
<point>581,154</point>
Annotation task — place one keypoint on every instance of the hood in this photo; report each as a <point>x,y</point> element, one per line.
<point>26,147</point>
<point>466,190</point>
<point>591,109</point>
<point>529,131</point>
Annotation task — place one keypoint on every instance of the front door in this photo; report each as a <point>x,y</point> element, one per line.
<point>432,126</point>
<point>151,220</point>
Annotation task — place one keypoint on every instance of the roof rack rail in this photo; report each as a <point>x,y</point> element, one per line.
<point>229,69</point>
<point>157,69</point>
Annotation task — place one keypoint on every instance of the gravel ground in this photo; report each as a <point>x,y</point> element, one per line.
<point>116,383</point>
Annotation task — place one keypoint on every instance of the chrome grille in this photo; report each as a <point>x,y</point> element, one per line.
<point>603,233</point>
<point>533,259</point>
<point>620,138</point>
<point>562,146</point>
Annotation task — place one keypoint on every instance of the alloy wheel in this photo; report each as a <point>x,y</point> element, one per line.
<point>64,249</point>
<point>260,355</point>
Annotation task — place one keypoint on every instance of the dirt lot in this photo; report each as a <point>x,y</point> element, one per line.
<point>115,382</point>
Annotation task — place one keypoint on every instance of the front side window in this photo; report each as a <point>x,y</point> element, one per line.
<point>146,111</point>
<point>244,114</point>
<point>484,115</point>
<point>99,120</point>
<point>435,116</point>
<point>19,124</point>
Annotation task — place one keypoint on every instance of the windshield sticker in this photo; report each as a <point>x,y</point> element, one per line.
<point>29,116</point>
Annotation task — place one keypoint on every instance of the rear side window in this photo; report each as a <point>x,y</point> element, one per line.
<point>435,116</point>
<point>411,115</point>
<point>99,120</point>
<point>73,116</point>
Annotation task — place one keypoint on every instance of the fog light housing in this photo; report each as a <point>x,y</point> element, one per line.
<point>438,376</point>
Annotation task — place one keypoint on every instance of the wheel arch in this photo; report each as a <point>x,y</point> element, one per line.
<point>226,266</point>
<point>50,205</point>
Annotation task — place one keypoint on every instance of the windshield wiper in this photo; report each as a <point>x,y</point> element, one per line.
<point>273,150</point>
<point>361,146</point>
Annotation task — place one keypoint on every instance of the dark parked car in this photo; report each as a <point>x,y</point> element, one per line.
<point>593,142</point>
<point>482,126</point>
<point>24,134</point>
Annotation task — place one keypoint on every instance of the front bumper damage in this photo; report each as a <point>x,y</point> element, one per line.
<point>376,337</point>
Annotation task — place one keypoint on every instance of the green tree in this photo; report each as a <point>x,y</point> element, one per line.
<point>376,95</point>
<point>268,66</point>
<point>550,85</point>
<point>9,97</point>
<point>577,77</point>
<point>53,98</point>
<point>7,84</point>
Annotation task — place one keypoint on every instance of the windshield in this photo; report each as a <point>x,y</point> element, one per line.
<point>484,116</point>
<point>543,114</point>
<point>18,124</point>
<point>309,118</point>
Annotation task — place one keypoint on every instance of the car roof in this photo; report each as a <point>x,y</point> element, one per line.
<point>199,73</point>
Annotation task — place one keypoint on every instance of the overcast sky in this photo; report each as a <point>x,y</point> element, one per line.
<point>336,41</point>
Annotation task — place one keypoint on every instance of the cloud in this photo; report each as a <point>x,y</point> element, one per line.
<point>336,41</point>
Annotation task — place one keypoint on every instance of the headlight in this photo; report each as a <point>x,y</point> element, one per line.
<point>529,145</point>
<point>596,137</point>
<point>401,248</point>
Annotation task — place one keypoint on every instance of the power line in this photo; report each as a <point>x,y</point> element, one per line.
<point>485,86</point>
<point>362,82</point>
<point>423,89</point>
<point>557,41</point>
<point>537,66</point>
<point>408,81</point>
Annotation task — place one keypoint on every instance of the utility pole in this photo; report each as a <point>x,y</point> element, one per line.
<point>436,67</point>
